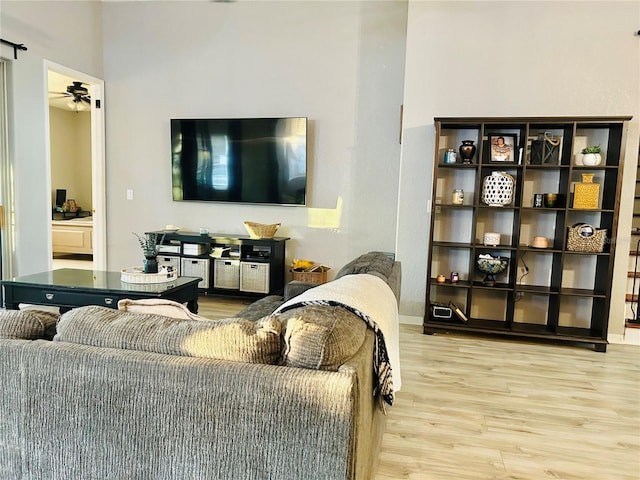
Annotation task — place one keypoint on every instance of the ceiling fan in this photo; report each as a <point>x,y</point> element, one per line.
<point>78,95</point>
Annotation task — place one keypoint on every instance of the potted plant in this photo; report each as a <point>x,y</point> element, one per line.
<point>149,244</point>
<point>591,156</point>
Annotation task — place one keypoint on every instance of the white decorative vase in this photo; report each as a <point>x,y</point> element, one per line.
<point>491,239</point>
<point>498,189</point>
<point>591,159</point>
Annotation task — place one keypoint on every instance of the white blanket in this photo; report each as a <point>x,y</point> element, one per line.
<point>370,298</point>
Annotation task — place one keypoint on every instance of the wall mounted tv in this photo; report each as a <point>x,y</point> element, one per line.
<point>252,160</point>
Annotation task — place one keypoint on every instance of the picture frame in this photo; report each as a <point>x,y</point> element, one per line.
<point>502,148</point>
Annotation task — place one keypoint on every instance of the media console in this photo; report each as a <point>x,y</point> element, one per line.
<point>228,264</point>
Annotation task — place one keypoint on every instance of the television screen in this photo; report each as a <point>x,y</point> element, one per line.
<point>254,160</point>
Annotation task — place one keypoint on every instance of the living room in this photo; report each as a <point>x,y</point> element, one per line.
<point>347,67</point>
<point>360,178</point>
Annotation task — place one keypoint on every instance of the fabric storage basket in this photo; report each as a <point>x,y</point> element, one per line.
<point>190,267</point>
<point>254,277</point>
<point>226,273</point>
<point>583,237</point>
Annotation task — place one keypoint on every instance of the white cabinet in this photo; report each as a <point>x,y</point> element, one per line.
<point>72,236</point>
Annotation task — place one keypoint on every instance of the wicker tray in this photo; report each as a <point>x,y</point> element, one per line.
<point>137,275</point>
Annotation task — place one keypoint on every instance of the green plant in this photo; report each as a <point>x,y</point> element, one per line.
<point>149,243</point>
<point>591,149</point>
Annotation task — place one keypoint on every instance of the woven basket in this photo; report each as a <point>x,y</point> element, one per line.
<point>137,275</point>
<point>261,230</point>
<point>578,242</point>
<point>318,275</point>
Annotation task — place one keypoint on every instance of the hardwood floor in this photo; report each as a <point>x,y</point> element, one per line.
<point>488,408</point>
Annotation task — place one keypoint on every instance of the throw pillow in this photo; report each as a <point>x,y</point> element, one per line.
<point>158,306</point>
<point>233,339</point>
<point>320,337</point>
<point>373,263</point>
<point>27,324</point>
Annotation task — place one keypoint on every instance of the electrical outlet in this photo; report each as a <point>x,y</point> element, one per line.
<point>129,194</point>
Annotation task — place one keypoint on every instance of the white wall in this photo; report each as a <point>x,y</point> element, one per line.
<point>511,59</point>
<point>70,141</point>
<point>70,34</point>
<point>341,64</point>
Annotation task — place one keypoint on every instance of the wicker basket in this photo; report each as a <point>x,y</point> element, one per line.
<point>586,238</point>
<point>261,230</point>
<point>317,275</point>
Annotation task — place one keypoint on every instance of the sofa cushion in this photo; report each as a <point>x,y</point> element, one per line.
<point>261,308</point>
<point>233,339</point>
<point>373,263</point>
<point>27,324</point>
<point>158,306</point>
<point>320,337</point>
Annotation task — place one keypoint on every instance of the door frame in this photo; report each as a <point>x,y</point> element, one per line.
<point>98,162</point>
<point>7,204</point>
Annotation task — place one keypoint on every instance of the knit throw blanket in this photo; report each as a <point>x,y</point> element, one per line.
<point>371,299</point>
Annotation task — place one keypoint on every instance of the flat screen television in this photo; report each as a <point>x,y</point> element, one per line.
<point>252,160</point>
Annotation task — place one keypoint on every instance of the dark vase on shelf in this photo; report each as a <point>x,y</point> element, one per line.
<point>467,151</point>
<point>151,265</point>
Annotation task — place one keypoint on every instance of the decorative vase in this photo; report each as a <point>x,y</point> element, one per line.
<point>467,151</point>
<point>586,193</point>
<point>151,265</point>
<point>591,159</point>
<point>498,189</point>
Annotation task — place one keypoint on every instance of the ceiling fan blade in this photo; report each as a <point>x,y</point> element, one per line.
<point>66,94</point>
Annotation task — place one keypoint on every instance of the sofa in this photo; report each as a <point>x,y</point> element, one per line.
<point>99,393</point>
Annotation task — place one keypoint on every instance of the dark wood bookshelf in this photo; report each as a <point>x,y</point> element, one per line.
<point>551,292</point>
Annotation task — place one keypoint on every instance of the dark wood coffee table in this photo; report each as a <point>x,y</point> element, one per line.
<point>68,288</point>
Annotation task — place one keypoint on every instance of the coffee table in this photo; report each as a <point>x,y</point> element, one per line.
<point>69,287</point>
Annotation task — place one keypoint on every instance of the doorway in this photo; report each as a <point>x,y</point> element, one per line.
<point>76,169</point>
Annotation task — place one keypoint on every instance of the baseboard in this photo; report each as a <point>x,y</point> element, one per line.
<point>631,337</point>
<point>409,320</point>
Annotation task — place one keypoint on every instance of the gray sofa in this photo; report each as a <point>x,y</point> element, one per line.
<point>129,395</point>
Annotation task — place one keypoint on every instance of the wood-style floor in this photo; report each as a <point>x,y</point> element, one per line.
<point>476,407</point>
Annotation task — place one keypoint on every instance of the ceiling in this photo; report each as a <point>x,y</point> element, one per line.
<point>58,82</point>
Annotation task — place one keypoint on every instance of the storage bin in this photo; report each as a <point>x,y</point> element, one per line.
<point>254,277</point>
<point>226,273</point>
<point>169,261</point>
<point>192,267</point>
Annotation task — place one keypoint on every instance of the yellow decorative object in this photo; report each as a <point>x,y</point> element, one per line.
<point>586,194</point>
<point>302,264</point>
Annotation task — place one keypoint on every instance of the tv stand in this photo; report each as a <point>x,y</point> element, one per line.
<point>235,265</point>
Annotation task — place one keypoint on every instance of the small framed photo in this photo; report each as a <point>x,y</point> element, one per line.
<point>503,148</point>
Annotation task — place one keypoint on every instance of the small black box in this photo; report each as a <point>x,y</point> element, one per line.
<point>441,312</point>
